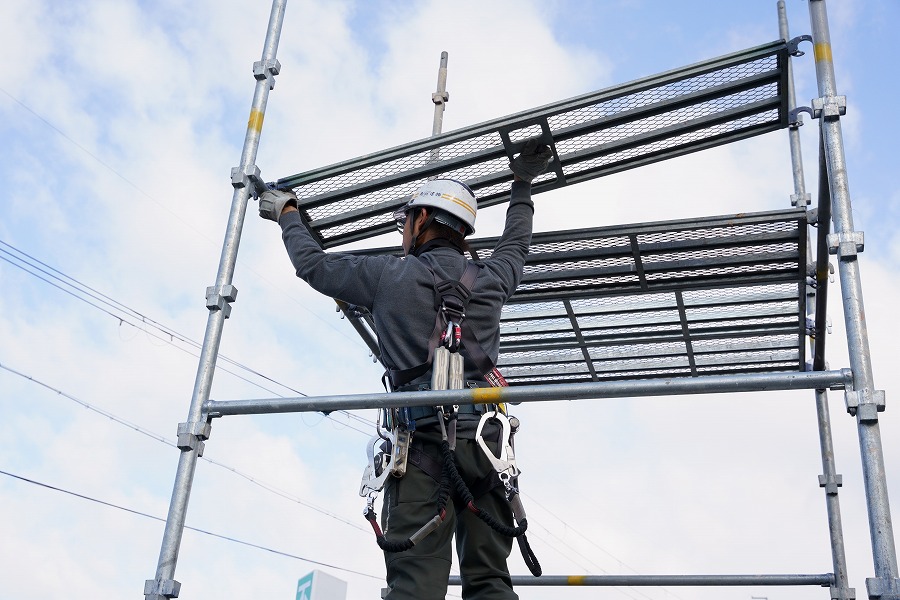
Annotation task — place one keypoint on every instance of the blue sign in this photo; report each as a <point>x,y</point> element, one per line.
<point>304,587</point>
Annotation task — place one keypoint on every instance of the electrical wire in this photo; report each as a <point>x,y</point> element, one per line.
<point>160,438</point>
<point>532,501</point>
<point>203,531</point>
<point>288,496</point>
<point>127,315</point>
<point>171,333</point>
<point>161,205</point>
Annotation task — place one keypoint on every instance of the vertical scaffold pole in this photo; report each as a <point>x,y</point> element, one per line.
<point>193,433</point>
<point>800,197</point>
<point>829,480</point>
<point>440,97</point>
<point>863,401</point>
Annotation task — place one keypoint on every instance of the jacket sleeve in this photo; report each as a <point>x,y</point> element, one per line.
<point>353,279</point>
<point>508,257</point>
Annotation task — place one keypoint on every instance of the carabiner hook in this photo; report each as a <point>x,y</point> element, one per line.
<point>504,462</point>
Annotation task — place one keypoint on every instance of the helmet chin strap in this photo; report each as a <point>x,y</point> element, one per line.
<point>422,230</point>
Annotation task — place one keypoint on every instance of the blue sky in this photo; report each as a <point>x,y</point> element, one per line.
<point>122,120</point>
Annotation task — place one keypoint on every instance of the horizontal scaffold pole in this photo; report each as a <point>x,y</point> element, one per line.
<point>709,384</point>
<point>824,579</point>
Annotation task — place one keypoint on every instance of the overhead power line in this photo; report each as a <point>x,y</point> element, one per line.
<point>127,315</point>
<point>102,299</point>
<point>198,530</point>
<point>162,439</point>
<point>171,212</point>
<point>275,490</point>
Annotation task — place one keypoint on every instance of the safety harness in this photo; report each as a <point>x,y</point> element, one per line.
<point>451,298</point>
<point>390,450</point>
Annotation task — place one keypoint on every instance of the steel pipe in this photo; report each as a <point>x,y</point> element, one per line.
<point>164,584</point>
<point>824,579</point>
<point>884,553</point>
<point>570,391</point>
<point>816,311</point>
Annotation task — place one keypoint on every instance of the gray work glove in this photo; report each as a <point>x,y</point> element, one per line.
<point>272,202</point>
<point>532,160</point>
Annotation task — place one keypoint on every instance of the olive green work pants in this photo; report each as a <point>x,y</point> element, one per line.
<point>421,573</point>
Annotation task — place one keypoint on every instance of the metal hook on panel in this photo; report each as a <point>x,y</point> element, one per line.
<point>793,46</point>
<point>794,119</point>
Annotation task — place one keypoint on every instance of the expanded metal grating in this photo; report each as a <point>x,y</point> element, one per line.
<point>622,127</point>
<point>695,297</point>
<point>716,295</point>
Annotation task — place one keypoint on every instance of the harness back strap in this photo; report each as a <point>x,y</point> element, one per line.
<point>447,293</point>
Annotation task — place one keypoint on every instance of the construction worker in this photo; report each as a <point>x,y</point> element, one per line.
<point>400,293</point>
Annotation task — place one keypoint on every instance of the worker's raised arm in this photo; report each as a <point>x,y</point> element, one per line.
<point>339,275</point>
<point>508,256</point>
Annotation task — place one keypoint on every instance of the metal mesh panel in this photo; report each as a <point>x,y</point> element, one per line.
<point>711,233</point>
<point>658,147</point>
<point>393,167</point>
<point>664,92</point>
<point>677,298</point>
<point>651,119</point>
<point>693,309</point>
<point>656,122</point>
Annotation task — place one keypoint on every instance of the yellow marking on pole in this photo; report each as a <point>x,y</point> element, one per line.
<point>576,579</point>
<point>487,395</point>
<point>256,120</point>
<point>822,51</point>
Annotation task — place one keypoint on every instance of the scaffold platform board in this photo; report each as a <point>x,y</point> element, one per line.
<point>710,296</point>
<point>622,127</point>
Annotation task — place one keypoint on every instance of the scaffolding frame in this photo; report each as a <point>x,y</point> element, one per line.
<point>355,209</point>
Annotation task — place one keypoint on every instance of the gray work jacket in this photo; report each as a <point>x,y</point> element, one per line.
<point>399,292</point>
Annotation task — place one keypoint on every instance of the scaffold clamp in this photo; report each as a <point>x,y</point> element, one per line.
<point>440,97</point>
<point>831,483</point>
<point>829,107</point>
<point>161,589</point>
<point>801,199</point>
<point>865,404</point>
<point>883,588</point>
<point>191,435</point>
<point>846,244</point>
<point>267,70</point>
<point>220,298</point>
<point>249,177</point>
<point>812,215</point>
<point>839,593</point>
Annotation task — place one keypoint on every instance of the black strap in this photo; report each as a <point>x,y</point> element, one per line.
<point>485,484</point>
<point>430,466</point>
<point>531,560</point>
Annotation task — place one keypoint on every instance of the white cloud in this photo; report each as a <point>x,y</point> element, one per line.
<point>161,94</point>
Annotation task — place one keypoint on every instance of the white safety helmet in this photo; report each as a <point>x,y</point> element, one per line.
<point>454,200</point>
